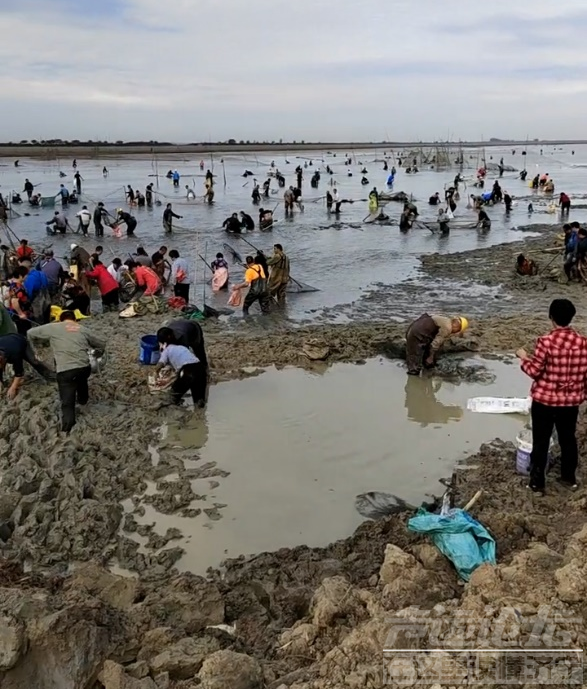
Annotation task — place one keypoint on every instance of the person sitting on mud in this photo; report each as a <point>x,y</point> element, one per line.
<point>71,343</point>
<point>525,266</point>
<point>425,337</point>
<point>435,199</point>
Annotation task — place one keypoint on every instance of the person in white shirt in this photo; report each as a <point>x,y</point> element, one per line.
<point>84,217</point>
<point>115,269</point>
<point>180,275</point>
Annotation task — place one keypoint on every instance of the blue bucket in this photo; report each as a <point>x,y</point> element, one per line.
<point>149,350</point>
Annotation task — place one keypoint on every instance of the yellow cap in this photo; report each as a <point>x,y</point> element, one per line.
<point>464,323</point>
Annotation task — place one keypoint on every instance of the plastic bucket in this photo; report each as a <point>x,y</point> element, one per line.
<point>149,350</point>
<point>524,449</point>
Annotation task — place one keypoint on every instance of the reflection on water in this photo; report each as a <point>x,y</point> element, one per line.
<point>340,258</point>
<point>422,405</point>
<point>299,447</point>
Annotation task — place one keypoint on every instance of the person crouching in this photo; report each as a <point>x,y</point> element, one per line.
<point>425,336</point>
<point>192,373</point>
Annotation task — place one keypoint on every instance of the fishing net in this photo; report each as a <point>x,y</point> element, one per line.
<point>235,255</point>
<point>294,286</point>
<point>297,287</point>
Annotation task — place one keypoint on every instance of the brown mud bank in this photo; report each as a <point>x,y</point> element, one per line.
<point>495,266</point>
<point>480,283</point>
<point>312,618</point>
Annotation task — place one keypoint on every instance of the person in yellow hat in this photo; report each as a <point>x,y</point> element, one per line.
<point>426,335</point>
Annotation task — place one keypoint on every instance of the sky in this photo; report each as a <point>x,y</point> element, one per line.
<point>265,70</point>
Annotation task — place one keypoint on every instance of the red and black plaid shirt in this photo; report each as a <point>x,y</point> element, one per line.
<point>558,369</point>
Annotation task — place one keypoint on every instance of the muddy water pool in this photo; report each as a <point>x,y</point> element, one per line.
<point>300,446</point>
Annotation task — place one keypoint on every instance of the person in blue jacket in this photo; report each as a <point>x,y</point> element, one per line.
<point>64,193</point>
<point>36,286</point>
<point>176,178</point>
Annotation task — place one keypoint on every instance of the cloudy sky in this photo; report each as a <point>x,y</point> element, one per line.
<point>190,70</point>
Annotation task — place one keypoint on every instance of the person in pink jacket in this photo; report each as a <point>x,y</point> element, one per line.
<point>107,285</point>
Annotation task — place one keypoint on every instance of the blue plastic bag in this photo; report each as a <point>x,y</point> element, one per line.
<point>460,538</point>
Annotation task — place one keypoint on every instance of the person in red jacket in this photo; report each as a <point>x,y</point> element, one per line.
<point>145,278</point>
<point>558,370</point>
<point>564,202</point>
<point>107,285</point>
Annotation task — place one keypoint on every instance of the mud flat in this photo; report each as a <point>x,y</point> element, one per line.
<point>310,618</point>
<point>300,617</point>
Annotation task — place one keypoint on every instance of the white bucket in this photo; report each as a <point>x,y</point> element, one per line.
<point>524,445</point>
<point>524,449</point>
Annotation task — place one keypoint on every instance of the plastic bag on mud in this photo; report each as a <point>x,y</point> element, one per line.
<point>235,298</point>
<point>375,505</point>
<point>461,538</point>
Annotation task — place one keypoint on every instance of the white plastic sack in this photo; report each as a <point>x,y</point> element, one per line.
<point>500,405</point>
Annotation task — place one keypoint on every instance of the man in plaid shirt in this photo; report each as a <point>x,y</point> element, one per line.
<point>558,370</point>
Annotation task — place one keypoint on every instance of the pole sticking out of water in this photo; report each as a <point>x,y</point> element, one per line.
<point>224,173</point>
<point>204,280</point>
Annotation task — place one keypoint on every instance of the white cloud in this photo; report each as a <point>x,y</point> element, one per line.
<point>188,70</point>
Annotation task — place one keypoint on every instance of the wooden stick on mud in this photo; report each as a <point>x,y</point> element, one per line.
<point>470,504</point>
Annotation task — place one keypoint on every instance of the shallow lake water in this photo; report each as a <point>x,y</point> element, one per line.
<point>343,257</point>
<point>300,446</point>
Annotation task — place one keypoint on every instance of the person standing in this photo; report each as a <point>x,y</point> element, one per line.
<point>53,271</point>
<point>168,216</point>
<point>100,217</point>
<point>107,285</point>
<point>28,189</point>
<point>558,370</point>
<point>84,217</point>
<point>64,193</point>
<point>149,195</point>
<point>180,275</point>
<point>70,342</point>
<point>255,279</point>
<point>279,265</point>
<point>565,203</point>
<point>78,182</point>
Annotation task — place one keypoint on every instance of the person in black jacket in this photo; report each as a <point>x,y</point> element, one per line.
<point>168,215</point>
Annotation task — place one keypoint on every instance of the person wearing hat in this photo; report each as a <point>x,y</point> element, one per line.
<point>426,335</point>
